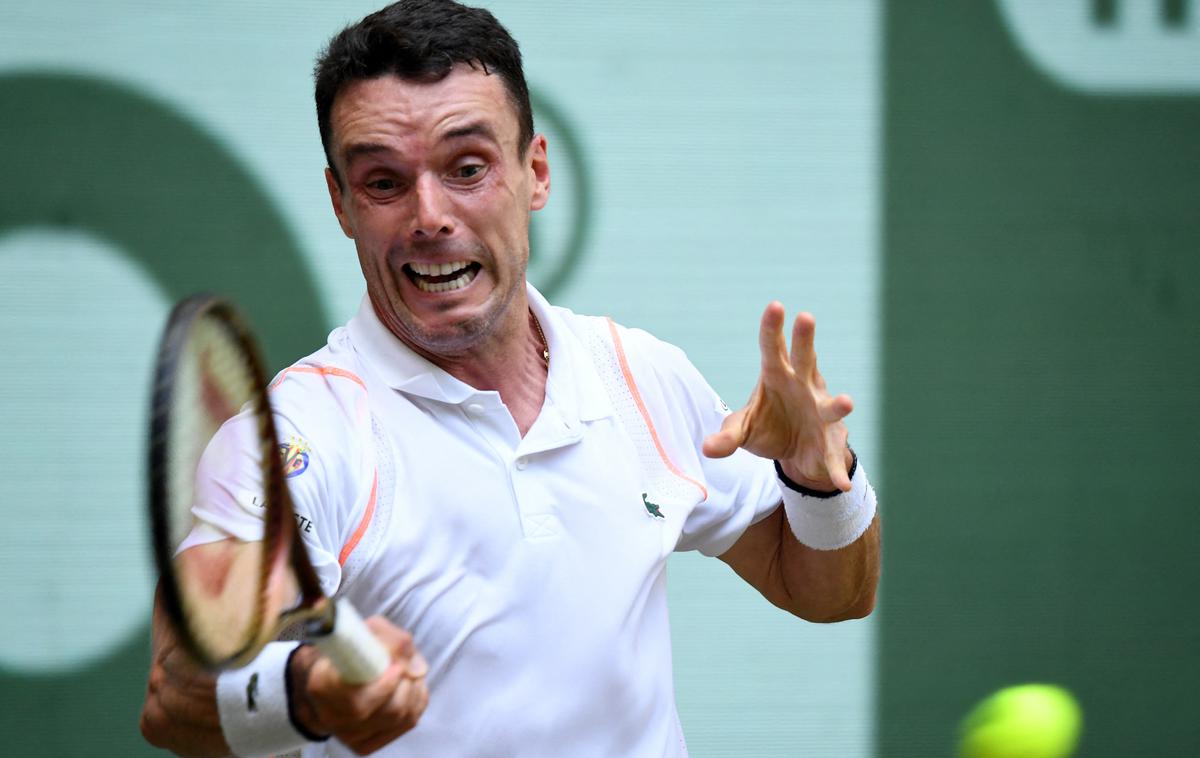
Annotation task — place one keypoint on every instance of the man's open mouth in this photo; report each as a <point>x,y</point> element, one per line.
<point>441,277</point>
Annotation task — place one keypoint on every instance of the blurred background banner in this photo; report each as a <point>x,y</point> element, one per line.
<point>990,207</point>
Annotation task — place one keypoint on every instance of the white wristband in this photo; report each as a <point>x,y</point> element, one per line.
<point>828,522</point>
<point>253,704</point>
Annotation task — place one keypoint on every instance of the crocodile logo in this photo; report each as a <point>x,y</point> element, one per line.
<point>652,509</point>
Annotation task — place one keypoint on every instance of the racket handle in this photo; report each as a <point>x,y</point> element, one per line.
<point>354,651</point>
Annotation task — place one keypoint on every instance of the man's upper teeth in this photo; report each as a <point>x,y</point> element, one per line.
<point>438,269</point>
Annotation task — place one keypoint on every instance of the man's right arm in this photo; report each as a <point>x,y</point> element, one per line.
<point>180,712</point>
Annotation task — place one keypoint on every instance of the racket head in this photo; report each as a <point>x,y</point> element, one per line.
<point>224,536</point>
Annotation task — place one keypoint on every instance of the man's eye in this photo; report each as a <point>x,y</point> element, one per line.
<point>382,185</point>
<point>469,171</point>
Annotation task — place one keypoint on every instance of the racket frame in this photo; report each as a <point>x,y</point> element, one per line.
<point>279,532</point>
<point>335,628</point>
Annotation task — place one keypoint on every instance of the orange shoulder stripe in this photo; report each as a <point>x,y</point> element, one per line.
<point>321,370</point>
<point>355,538</point>
<point>352,543</point>
<point>641,406</point>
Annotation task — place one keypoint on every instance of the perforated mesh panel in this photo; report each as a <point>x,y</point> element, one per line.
<point>661,483</point>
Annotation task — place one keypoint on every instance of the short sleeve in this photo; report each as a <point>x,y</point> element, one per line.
<point>228,498</point>
<point>328,460</point>
<point>324,428</point>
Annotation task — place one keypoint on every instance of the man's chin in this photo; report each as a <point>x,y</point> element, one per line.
<point>449,323</point>
<point>454,331</point>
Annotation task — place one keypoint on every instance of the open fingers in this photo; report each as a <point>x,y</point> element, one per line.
<point>733,433</point>
<point>771,342</point>
<point>804,354</point>
<point>837,472</point>
<point>837,409</point>
<point>835,465</point>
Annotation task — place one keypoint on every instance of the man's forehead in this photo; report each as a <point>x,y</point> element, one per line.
<point>466,102</point>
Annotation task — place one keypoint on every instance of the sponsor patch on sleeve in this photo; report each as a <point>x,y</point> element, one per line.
<point>295,454</point>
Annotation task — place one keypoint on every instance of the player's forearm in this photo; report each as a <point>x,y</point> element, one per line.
<point>825,586</point>
<point>829,546</point>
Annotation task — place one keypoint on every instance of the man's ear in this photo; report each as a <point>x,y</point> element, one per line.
<point>335,197</point>
<point>539,165</point>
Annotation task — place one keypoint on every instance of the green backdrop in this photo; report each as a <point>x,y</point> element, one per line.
<point>1042,294</point>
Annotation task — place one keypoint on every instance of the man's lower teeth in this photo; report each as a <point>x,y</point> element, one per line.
<point>453,284</point>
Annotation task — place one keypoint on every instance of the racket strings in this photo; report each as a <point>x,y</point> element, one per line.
<point>218,449</point>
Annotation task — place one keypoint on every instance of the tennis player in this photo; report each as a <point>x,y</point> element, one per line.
<point>498,481</point>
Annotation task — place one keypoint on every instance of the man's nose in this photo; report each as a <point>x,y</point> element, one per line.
<point>431,214</point>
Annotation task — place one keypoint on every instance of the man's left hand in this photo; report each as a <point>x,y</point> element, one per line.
<point>791,416</point>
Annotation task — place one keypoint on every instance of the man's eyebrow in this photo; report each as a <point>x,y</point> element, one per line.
<point>475,129</point>
<point>359,149</point>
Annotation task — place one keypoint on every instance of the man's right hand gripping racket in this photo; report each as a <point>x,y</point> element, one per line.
<point>232,566</point>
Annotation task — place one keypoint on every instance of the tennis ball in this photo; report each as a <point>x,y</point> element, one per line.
<point>1025,721</point>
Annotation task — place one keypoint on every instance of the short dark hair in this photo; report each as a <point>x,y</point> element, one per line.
<point>421,40</point>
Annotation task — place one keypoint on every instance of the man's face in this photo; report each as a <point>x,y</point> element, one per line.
<point>437,198</point>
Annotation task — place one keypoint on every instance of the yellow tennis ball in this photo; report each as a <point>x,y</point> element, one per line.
<point>1025,721</point>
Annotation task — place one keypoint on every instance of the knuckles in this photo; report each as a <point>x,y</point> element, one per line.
<point>366,718</point>
<point>365,729</point>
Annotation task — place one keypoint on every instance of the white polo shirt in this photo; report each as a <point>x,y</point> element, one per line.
<point>531,571</point>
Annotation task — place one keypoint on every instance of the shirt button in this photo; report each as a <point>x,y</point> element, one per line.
<point>521,463</point>
<point>475,409</point>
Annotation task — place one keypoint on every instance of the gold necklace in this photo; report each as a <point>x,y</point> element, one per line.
<point>545,345</point>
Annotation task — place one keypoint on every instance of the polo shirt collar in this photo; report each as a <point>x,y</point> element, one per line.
<point>572,384</point>
<point>573,387</point>
<point>397,364</point>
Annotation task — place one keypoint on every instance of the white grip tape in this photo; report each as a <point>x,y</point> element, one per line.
<point>354,651</point>
<point>830,523</point>
<point>253,705</point>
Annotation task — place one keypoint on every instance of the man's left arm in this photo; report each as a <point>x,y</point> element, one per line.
<point>816,585</point>
<point>827,574</point>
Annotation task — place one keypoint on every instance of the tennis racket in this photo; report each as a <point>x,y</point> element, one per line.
<point>232,566</point>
